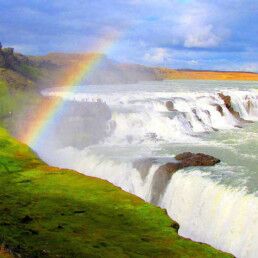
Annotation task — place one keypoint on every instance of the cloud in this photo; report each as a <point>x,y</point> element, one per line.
<point>157,56</point>
<point>217,33</point>
<point>202,37</point>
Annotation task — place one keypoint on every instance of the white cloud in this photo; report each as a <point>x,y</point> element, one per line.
<point>199,26</point>
<point>157,56</point>
<point>203,37</point>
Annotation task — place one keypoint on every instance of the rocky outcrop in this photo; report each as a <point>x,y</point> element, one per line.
<point>189,159</point>
<point>227,101</point>
<point>11,60</point>
<point>228,104</point>
<point>163,174</point>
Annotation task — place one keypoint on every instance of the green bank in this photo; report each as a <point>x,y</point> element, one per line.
<point>61,213</point>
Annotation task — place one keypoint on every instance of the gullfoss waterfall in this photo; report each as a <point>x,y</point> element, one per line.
<point>149,123</point>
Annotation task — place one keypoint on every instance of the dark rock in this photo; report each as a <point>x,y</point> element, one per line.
<point>169,167</point>
<point>27,219</point>
<point>160,181</point>
<point>188,159</point>
<point>170,105</point>
<point>219,109</point>
<point>228,104</point>
<point>176,226</point>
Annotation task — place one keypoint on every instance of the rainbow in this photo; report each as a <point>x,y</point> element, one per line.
<point>49,110</point>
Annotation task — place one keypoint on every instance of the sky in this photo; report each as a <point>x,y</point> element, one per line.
<point>187,34</point>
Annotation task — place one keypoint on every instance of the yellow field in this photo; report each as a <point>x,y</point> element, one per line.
<point>170,74</point>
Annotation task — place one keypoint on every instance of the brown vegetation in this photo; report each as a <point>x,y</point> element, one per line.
<point>171,74</point>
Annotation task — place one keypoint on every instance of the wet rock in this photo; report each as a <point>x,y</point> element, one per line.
<point>227,101</point>
<point>170,105</point>
<point>169,167</point>
<point>219,109</point>
<point>160,181</point>
<point>188,159</point>
<point>228,104</point>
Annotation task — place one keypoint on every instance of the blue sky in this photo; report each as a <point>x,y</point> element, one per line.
<point>196,34</point>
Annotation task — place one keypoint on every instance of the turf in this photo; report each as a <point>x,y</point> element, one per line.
<point>46,211</point>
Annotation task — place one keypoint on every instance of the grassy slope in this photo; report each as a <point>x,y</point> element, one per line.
<point>77,216</point>
<point>170,74</point>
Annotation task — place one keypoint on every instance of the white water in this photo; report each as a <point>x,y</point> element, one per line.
<point>216,205</point>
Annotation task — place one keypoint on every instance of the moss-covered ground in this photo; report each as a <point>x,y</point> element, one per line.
<point>46,211</point>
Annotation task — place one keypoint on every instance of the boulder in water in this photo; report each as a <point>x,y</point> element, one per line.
<point>188,159</point>
<point>170,105</point>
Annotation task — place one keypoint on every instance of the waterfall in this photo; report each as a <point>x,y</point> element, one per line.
<point>212,205</point>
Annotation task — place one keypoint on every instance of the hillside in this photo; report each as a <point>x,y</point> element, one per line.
<point>56,66</point>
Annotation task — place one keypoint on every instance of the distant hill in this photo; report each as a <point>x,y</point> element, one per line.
<point>170,74</point>
<point>56,66</point>
<point>35,72</point>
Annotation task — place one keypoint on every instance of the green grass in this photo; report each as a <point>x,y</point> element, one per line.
<point>72,215</point>
<point>6,101</point>
<point>29,71</point>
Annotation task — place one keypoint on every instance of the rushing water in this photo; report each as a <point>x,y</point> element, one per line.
<point>216,205</point>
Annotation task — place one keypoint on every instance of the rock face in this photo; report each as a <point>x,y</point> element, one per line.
<point>164,173</point>
<point>11,60</point>
<point>189,159</point>
<point>228,104</point>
